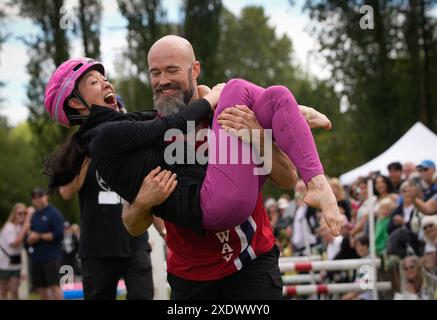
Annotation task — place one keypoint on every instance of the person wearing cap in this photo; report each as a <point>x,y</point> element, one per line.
<point>426,203</point>
<point>427,170</point>
<point>44,245</point>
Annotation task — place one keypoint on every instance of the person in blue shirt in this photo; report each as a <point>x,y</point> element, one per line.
<point>44,241</point>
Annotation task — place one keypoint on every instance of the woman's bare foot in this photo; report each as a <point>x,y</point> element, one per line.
<point>320,196</point>
<point>315,119</point>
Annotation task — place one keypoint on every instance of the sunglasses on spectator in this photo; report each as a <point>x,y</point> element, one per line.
<point>423,169</point>
<point>428,226</point>
<point>411,267</point>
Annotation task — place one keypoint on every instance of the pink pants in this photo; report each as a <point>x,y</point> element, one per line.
<point>229,192</point>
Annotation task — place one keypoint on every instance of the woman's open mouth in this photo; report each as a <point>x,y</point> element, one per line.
<point>110,99</point>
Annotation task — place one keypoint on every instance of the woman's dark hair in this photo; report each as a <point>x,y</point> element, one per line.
<point>387,181</point>
<point>65,163</point>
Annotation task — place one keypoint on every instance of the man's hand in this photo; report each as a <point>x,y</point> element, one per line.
<point>235,119</point>
<point>33,238</point>
<point>156,188</point>
<point>69,190</point>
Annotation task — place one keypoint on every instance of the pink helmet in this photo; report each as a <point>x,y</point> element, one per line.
<point>62,84</point>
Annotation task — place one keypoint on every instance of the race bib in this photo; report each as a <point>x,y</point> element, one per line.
<point>109,197</point>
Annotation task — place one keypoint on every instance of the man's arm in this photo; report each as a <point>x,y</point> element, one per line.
<point>159,225</point>
<point>156,188</point>
<point>284,173</point>
<point>57,233</point>
<point>429,207</point>
<point>136,218</point>
<point>35,237</point>
<point>69,190</point>
<point>426,207</point>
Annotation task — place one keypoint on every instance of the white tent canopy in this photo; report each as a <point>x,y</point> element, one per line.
<point>417,144</point>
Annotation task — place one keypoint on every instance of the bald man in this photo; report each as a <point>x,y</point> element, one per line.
<point>173,73</point>
<point>238,263</point>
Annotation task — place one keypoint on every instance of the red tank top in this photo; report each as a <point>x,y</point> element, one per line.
<point>218,253</point>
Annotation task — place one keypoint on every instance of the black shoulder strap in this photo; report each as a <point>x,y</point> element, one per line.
<point>5,251</point>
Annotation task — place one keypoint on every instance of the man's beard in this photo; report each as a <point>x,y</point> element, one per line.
<point>173,103</point>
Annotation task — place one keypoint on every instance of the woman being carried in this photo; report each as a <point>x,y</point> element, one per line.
<point>126,147</point>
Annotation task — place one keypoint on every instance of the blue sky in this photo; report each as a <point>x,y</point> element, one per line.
<point>13,56</point>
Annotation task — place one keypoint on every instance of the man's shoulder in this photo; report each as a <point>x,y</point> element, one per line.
<point>53,210</point>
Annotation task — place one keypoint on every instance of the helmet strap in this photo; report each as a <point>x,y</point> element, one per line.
<point>82,100</point>
<point>79,117</point>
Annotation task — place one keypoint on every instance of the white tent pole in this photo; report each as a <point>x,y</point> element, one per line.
<point>373,277</point>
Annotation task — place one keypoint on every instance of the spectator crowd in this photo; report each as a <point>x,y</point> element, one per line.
<point>404,205</point>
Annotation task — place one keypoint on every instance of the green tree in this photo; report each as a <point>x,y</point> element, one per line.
<point>20,171</point>
<point>144,28</point>
<point>249,48</point>
<point>17,167</point>
<point>3,37</point>
<point>90,17</point>
<point>202,29</point>
<point>386,72</point>
<point>421,44</point>
<point>47,49</point>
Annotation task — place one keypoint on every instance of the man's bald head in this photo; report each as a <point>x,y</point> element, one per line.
<point>173,73</point>
<point>174,45</point>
